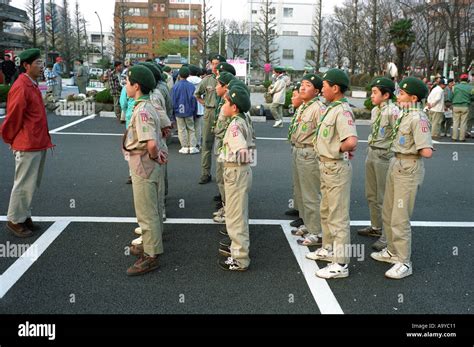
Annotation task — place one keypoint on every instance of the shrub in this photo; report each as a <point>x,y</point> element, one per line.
<point>104,97</point>
<point>267,84</point>
<point>289,94</point>
<point>4,89</point>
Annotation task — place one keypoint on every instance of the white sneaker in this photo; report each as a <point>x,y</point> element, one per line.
<point>300,231</point>
<point>385,256</point>
<point>333,270</point>
<point>220,212</point>
<point>164,214</point>
<point>219,219</point>
<point>278,124</point>
<point>137,241</point>
<point>193,150</point>
<point>138,231</point>
<point>399,271</point>
<point>320,254</point>
<point>184,150</point>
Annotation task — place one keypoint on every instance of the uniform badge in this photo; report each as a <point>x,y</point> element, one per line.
<point>347,114</point>
<point>350,122</point>
<point>144,116</point>
<point>326,132</point>
<point>145,129</point>
<point>304,127</point>
<point>402,140</point>
<point>234,130</point>
<point>424,126</point>
<point>382,131</point>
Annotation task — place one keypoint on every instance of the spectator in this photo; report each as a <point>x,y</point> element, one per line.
<point>58,71</point>
<point>463,95</point>
<point>194,71</point>
<point>436,107</point>
<point>51,79</point>
<point>448,106</point>
<point>114,78</point>
<point>8,69</point>
<point>81,76</point>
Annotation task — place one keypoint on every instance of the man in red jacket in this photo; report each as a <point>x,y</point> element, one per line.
<point>25,129</point>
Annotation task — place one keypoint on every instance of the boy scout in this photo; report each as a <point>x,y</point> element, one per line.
<point>278,93</point>
<point>237,179</point>
<point>411,141</point>
<point>206,95</point>
<point>384,115</point>
<point>335,139</point>
<point>307,176</point>
<point>141,144</point>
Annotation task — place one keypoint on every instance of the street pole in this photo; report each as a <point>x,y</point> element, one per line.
<point>43,27</point>
<point>220,28</point>
<point>189,34</point>
<point>250,43</point>
<point>101,38</point>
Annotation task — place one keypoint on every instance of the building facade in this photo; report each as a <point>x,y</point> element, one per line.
<point>8,15</point>
<point>146,24</point>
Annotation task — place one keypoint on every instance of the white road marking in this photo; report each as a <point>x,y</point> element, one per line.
<point>88,134</point>
<point>22,264</point>
<point>92,116</point>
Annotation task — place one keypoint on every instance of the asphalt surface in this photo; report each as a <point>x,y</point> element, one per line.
<point>85,176</point>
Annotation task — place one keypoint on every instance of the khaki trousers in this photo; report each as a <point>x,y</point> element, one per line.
<point>29,168</point>
<point>220,177</point>
<point>336,177</point>
<point>207,141</point>
<point>147,198</point>
<point>186,132</point>
<point>308,178</point>
<point>277,111</point>
<point>376,168</point>
<point>296,185</point>
<point>436,119</point>
<point>460,116</point>
<point>404,178</point>
<point>237,182</point>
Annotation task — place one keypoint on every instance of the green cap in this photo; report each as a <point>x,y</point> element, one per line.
<point>30,55</point>
<point>279,69</point>
<point>154,70</point>
<point>337,76</point>
<point>315,80</point>
<point>166,68</point>
<point>219,57</point>
<point>142,75</point>
<point>238,83</point>
<point>226,67</point>
<point>194,70</point>
<point>184,72</point>
<point>225,78</point>
<point>414,86</point>
<point>383,82</point>
<point>240,97</point>
<point>296,86</point>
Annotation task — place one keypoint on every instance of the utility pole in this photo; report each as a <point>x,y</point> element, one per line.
<point>101,38</point>
<point>189,34</point>
<point>220,28</point>
<point>250,44</point>
<point>43,28</point>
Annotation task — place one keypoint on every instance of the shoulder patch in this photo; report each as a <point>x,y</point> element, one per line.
<point>347,114</point>
<point>144,115</point>
<point>424,125</point>
<point>234,129</point>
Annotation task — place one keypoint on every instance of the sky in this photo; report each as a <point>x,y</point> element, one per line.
<point>231,9</point>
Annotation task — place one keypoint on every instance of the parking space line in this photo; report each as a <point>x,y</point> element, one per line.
<point>22,264</point>
<point>88,134</point>
<point>92,116</point>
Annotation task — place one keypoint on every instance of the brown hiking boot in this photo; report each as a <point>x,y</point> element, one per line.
<point>369,231</point>
<point>136,250</point>
<point>143,265</point>
<point>32,226</point>
<point>19,230</point>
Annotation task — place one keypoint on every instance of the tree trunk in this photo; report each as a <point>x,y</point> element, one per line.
<point>373,50</point>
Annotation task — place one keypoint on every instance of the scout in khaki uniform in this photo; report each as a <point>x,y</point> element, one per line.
<point>141,144</point>
<point>384,115</point>
<point>278,92</point>
<point>335,139</point>
<point>206,95</point>
<point>307,176</point>
<point>237,157</point>
<point>411,142</point>
<point>296,101</point>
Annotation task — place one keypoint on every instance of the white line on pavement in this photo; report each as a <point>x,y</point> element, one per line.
<point>88,134</point>
<point>21,265</point>
<point>92,116</point>
<point>319,287</point>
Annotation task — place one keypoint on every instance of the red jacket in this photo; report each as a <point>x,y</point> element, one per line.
<point>26,127</point>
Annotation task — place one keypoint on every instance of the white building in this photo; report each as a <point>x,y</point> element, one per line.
<point>94,42</point>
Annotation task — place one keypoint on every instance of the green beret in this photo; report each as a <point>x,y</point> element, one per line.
<point>279,69</point>
<point>166,68</point>
<point>154,70</point>
<point>184,72</point>
<point>414,86</point>
<point>383,82</point>
<point>296,86</point>
<point>225,77</point>
<point>219,57</point>
<point>194,70</point>
<point>30,55</point>
<point>238,83</point>
<point>142,75</point>
<point>315,80</point>
<point>226,67</point>
<point>337,76</point>
<point>240,97</point>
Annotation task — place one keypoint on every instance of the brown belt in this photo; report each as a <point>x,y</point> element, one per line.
<point>226,164</point>
<point>299,145</point>
<point>326,159</point>
<point>407,156</point>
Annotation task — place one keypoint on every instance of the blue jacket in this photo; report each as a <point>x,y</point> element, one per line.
<point>184,101</point>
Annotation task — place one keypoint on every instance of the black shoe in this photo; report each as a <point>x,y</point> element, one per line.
<point>225,251</point>
<point>297,223</point>
<point>225,242</point>
<point>292,212</point>
<point>223,232</point>
<point>32,226</point>
<point>205,179</point>
<point>217,198</point>
<point>230,264</point>
<point>219,205</point>
<point>129,180</point>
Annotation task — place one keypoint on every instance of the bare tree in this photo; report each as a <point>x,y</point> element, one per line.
<point>208,27</point>
<point>64,37</point>
<point>32,28</point>
<point>266,35</point>
<point>78,32</point>
<point>52,25</point>
<point>122,39</point>
<point>316,39</point>
<point>236,39</point>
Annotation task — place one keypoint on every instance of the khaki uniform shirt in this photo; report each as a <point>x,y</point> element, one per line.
<point>413,134</point>
<point>238,136</point>
<point>144,126</point>
<point>207,88</point>
<point>337,125</point>
<point>306,123</point>
<point>382,137</point>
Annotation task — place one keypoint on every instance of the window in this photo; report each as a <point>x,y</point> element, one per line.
<point>162,8</point>
<point>272,10</point>
<point>178,13</point>
<point>254,11</point>
<point>184,41</point>
<point>137,26</point>
<point>310,54</point>
<point>290,33</point>
<point>182,27</point>
<point>287,54</point>
<point>137,55</point>
<point>95,38</point>
<point>287,12</point>
<point>139,12</point>
<point>139,41</point>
